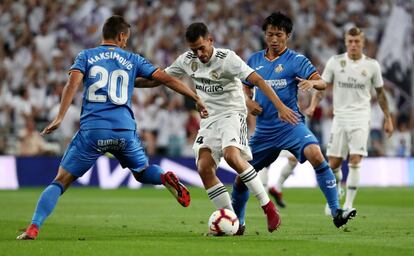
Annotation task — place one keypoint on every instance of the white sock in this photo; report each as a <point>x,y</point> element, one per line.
<point>286,171</point>
<point>252,181</point>
<point>264,176</point>
<point>338,176</point>
<point>352,183</point>
<point>220,197</point>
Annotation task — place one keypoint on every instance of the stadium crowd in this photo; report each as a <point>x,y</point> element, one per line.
<point>39,40</point>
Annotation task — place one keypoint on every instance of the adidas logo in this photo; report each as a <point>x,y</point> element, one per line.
<point>233,140</point>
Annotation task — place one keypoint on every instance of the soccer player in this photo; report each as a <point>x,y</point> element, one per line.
<point>217,75</point>
<point>286,71</point>
<point>352,75</point>
<point>107,123</point>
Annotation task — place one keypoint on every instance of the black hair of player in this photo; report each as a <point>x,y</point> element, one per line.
<point>195,31</point>
<point>113,26</point>
<point>279,20</point>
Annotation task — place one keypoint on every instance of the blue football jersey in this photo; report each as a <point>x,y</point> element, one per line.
<point>109,74</point>
<point>280,74</point>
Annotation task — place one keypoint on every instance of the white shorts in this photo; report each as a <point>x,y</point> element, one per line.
<point>348,139</point>
<point>231,130</point>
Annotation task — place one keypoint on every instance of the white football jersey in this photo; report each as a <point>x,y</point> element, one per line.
<point>218,82</point>
<point>352,84</point>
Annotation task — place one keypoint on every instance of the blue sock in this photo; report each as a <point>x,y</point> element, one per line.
<point>47,203</point>
<point>151,175</point>
<point>327,183</point>
<point>240,195</point>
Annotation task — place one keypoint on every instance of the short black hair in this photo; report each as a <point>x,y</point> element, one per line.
<point>195,30</point>
<point>113,26</point>
<point>278,20</point>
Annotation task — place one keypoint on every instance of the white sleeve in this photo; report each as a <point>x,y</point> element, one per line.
<point>377,77</point>
<point>236,66</point>
<point>176,68</point>
<point>328,71</point>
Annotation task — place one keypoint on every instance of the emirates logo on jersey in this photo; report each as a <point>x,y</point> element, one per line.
<point>279,68</point>
<point>194,66</point>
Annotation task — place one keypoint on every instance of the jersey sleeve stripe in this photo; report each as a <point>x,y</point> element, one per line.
<point>75,70</point>
<point>312,75</point>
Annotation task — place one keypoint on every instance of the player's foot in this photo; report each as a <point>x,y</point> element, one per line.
<point>177,189</point>
<point>273,218</point>
<point>241,230</point>
<point>278,197</point>
<point>342,216</point>
<point>30,233</point>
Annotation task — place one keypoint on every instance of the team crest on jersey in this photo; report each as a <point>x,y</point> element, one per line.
<point>279,68</point>
<point>214,74</point>
<point>194,66</point>
<point>342,63</point>
<point>364,73</point>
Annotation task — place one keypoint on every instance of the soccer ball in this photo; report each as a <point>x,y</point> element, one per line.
<point>223,222</point>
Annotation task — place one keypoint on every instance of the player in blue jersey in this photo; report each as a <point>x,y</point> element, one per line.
<point>285,71</point>
<point>107,123</point>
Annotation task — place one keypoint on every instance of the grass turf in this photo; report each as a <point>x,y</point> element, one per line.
<point>89,221</point>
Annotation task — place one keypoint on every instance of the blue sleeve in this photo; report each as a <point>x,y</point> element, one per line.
<point>144,68</point>
<point>304,68</point>
<point>80,63</point>
<point>245,82</point>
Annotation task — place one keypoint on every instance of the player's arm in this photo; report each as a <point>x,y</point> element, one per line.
<point>145,83</point>
<point>285,113</point>
<point>253,107</point>
<point>176,85</point>
<point>382,101</point>
<point>69,91</point>
<point>316,99</point>
<point>314,82</point>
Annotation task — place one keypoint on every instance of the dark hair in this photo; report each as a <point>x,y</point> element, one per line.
<point>195,30</point>
<point>354,31</point>
<point>278,20</point>
<point>113,26</point>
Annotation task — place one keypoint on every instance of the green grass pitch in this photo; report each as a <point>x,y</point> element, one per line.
<point>148,221</point>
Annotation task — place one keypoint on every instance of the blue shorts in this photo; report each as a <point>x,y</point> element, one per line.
<point>266,148</point>
<point>87,145</point>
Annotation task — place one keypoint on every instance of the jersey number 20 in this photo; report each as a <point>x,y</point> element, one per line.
<point>113,79</point>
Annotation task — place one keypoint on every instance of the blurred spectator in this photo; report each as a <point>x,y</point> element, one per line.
<point>40,39</point>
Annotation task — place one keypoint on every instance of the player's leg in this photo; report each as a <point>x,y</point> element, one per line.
<point>131,154</point>
<point>249,177</point>
<point>285,172</point>
<point>324,175</point>
<point>47,202</point>
<point>216,191</point>
<point>357,149</point>
<point>335,164</point>
<point>352,181</point>
<point>78,158</point>
<point>327,183</point>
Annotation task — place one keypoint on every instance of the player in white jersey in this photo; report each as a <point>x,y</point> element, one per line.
<point>217,75</point>
<point>352,76</point>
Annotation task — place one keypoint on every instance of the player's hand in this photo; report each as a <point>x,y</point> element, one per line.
<point>388,127</point>
<point>309,111</point>
<point>201,108</point>
<point>304,85</point>
<point>254,107</point>
<point>288,115</point>
<point>51,127</point>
